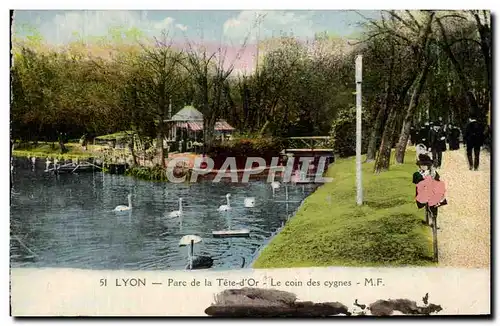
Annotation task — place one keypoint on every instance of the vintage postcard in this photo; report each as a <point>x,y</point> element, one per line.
<point>250,163</point>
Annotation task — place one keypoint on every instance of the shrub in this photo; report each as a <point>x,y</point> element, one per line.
<point>343,133</point>
<point>151,174</point>
<point>156,173</point>
<point>241,148</point>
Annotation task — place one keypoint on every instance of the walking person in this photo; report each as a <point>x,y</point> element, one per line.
<point>413,136</point>
<point>453,137</point>
<point>423,134</point>
<point>437,144</point>
<point>473,139</point>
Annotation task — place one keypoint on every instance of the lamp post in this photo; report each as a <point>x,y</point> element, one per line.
<point>359,181</point>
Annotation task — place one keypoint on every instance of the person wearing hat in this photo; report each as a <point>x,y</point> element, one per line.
<point>437,144</point>
<point>429,190</point>
<point>423,134</point>
<point>413,136</point>
<point>453,137</point>
<point>473,139</point>
<point>425,164</point>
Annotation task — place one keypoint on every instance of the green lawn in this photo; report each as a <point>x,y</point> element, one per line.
<point>45,150</point>
<point>116,136</point>
<point>386,231</point>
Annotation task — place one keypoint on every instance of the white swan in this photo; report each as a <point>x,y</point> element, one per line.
<point>177,213</point>
<point>121,208</point>
<point>223,208</point>
<point>249,202</point>
<point>275,185</point>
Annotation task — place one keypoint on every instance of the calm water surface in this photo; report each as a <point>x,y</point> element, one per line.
<point>67,220</point>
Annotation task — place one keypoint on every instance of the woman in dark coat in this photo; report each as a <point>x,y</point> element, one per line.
<point>454,138</point>
<point>423,135</point>
<point>437,144</point>
<point>413,136</point>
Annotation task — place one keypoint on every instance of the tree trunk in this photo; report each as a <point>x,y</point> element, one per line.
<point>159,144</point>
<point>60,140</point>
<point>384,155</point>
<point>263,129</point>
<point>375,133</point>
<point>405,132</point>
<point>61,145</point>
<point>132,151</point>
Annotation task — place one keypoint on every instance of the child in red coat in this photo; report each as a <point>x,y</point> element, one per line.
<point>430,191</point>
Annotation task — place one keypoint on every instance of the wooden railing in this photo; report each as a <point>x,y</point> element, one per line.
<point>313,142</point>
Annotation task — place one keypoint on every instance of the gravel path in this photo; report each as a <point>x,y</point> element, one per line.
<point>464,235</point>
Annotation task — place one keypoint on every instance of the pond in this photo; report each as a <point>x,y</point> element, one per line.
<point>67,220</point>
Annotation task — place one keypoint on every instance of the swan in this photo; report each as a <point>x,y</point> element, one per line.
<point>223,208</point>
<point>200,262</point>
<point>177,213</point>
<point>195,262</point>
<point>275,185</point>
<point>249,202</point>
<point>121,208</point>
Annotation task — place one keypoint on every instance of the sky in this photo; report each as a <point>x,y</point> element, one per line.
<point>212,27</point>
<point>58,27</point>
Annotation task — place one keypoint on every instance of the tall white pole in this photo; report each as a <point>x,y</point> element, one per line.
<point>359,181</point>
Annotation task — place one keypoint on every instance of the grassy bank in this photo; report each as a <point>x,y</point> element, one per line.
<point>44,150</point>
<point>330,230</point>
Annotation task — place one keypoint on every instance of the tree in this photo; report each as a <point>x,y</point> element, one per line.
<point>157,76</point>
<point>423,62</point>
<point>209,74</point>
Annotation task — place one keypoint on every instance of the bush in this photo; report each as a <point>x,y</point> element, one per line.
<point>156,173</point>
<point>241,148</point>
<point>343,133</point>
<point>151,174</point>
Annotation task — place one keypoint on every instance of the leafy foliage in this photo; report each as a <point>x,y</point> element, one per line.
<point>106,85</point>
<point>343,133</point>
<point>150,174</point>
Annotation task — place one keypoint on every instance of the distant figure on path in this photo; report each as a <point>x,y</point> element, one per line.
<point>473,139</point>
<point>423,134</point>
<point>413,136</point>
<point>437,144</point>
<point>453,137</point>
